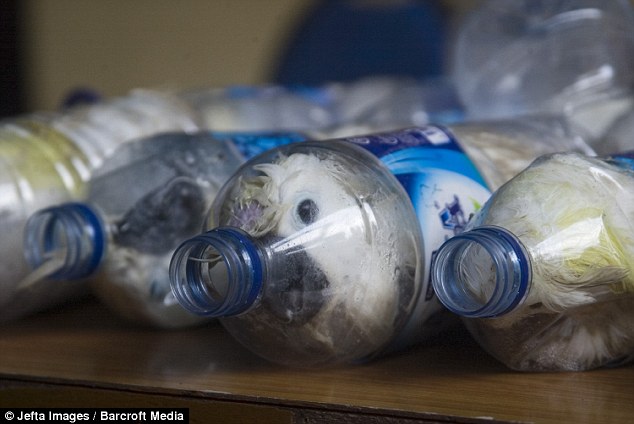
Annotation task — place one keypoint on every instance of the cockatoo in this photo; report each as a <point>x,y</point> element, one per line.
<point>575,215</point>
<point>347,279</point>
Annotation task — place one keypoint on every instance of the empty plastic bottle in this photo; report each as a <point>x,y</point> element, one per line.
<point>371,104</point>
<point>544,273</point>
<point>390,103</point>
<point>262,108</point>
<point>515,57</point>
<point>318,253</point>
<point>49,158</point>
<point>144,200</point>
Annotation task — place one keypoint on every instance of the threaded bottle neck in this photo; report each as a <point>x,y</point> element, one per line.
<point>484,272</point>
<point>218,273</point>
<point>71,234</point>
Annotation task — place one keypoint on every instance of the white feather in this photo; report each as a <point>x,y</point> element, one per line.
<point>576,217</point>
<point>361,270</point>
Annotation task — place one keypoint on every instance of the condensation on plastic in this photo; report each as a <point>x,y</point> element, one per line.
<point>575,217</point>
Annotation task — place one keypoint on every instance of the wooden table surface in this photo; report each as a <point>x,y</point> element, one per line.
<point>82,354</point>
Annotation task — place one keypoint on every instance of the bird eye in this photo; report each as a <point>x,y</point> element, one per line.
<point>307,211</point>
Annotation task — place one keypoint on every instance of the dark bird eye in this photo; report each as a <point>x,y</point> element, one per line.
<point>307,211</point>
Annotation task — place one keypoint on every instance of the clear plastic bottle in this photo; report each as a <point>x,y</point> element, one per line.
<point>618,137</point>
<point>98,129</point>
<point>262,108</point>
<point>515,57</point>
<point>146,198</point>
<point>543,273</point>
<point>391,103</point>
<point>318,253</point>
<point>39,167</point>
<point>48,158</point>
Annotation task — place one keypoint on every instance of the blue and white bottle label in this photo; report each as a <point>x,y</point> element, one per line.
<point>444,185</point>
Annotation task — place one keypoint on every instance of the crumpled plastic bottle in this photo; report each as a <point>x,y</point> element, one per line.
<point>146,198</point>
<point>370,104</point>
<point>262,108</point>
<point>318,253</point>
<point>48,158</point>
<point>543,273</point>
<point>516,57</point>
<point>383,103</point>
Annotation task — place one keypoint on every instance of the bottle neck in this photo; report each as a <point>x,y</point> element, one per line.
<point>484,272</point>
<point>218,273</point>
<point>71,234</point>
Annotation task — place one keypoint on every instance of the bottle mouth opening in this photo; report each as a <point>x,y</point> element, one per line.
<point>217,273</point>
<point>70,234</point>
<point>484,272</point>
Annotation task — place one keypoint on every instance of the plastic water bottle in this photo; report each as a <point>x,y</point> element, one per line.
<point>262,108</point>
<point>618,137</point>
<point>144,200</point>
<point>99,128</point>
<point>515,57</point>
<point>318,253</point>
<point>378,104</point>
<point>544,273</point>
<point>49,158</point>
<point>371,104</point>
